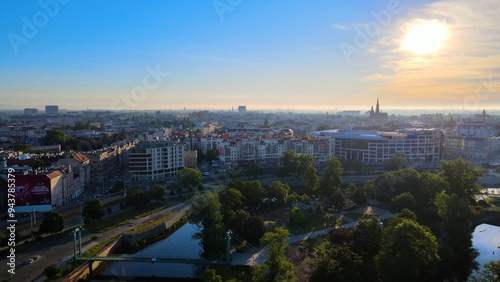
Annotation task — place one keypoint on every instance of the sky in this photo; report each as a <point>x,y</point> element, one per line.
<point>218,54</point>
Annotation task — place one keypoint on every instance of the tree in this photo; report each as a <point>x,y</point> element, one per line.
<point>429,185</point>
<point>409,252</point>
<point>136,198</point>
<point>231,201</point>
<point>356,194</point>
<point>305,161</point>
<point>367,237</point>
<point>290,161</point>
<point>157,193</point>
<point>53,222</point>
<point>331,177</point>
<point>93,209</point>
<point>52,272</point>
<point>205,213</point>
<point>249,226</point>
<point>337,200</point>
<point>277,193</point>
<point>336,264</point>
<point>402,201</point>
<point>297,216</point>
<point>189,177</point>
<point>38,164</point>
<point>393,183</point>
<point>276,267</point>
<point>461,177</point>
<point>252,191</point>
<point>458,255</point>
<point>25,148</point>
<point>311,180</point>
<point>210,276</point>
<point>491,272</point>
<point>54,137</point>
<point>397,162</point>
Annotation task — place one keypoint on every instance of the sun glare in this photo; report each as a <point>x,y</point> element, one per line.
<point>425,37</point>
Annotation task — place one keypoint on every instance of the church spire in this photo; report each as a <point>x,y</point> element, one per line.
<point>377,110</point>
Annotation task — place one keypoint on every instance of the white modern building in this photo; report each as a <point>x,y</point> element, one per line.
<point>156,160</point>
<point>419,145</point>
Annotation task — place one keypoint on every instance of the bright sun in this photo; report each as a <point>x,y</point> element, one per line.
<point>425,37</point>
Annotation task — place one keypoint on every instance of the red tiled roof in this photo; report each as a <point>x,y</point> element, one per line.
<point>80,158</point>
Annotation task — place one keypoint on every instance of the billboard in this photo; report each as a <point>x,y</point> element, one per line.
<point>32,193</point>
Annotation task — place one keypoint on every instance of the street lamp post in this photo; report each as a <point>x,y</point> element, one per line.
<point>81,211</point>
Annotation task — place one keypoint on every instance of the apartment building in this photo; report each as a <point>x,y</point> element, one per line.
<point>156,160</point>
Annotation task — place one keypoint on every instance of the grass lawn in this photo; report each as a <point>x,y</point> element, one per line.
<point>122,218</point>
<point>313,222</point>
<point>494,202</point>
<point>354,215</point>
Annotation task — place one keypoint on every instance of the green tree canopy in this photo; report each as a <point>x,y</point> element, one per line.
<point>403,201</point>
<point>206,214</point>
<point>252,191</point>
<point>189,177</point>
<point>276,267</point>
<point>53,222</point>
<point>93,209</point>
<point>277,193</point>
<point>409,252</point>
<point>397,162</point>
<point>311,181</point>
<point>337,264</point>
<point>157,193</point>
<point>54,137</point>
<point>290,161</point>
<point>461,177</point>
<point>136,198</point>
<point>331,177</point>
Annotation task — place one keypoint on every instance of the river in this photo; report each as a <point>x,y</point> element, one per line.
<point>180,244</point>
<point>486,239</point>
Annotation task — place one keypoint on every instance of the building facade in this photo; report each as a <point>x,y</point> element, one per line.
<point>371,147</point>
<point>156,160</point>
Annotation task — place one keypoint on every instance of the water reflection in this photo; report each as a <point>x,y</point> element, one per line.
<point>178,245</point>
<point>486,239</point>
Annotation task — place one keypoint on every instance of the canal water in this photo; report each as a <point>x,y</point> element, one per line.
<point>180,244</point>
<point>486,239</point>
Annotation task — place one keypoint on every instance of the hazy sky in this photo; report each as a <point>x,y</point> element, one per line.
<point>288,54</point>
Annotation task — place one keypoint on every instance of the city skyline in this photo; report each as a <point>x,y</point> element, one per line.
<point>292,55</point>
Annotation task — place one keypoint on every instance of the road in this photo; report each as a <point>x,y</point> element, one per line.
<point>61,250</point>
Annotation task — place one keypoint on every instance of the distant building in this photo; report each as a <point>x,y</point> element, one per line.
<point>103,164</point>
<point>419,145</point>
<point>242,109</point>
<point>51,110</point>
<point>377,114</point>
<point>350,113</point>
<point>30,112</point>
<point>80,165</point>
<point>190,158</point>
<point>156,160</point>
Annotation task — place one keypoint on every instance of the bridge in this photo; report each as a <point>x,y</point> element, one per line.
<point>149,257</point>
<point>133,258</point>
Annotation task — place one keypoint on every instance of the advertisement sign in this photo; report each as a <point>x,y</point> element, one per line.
<point>32,193</point>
